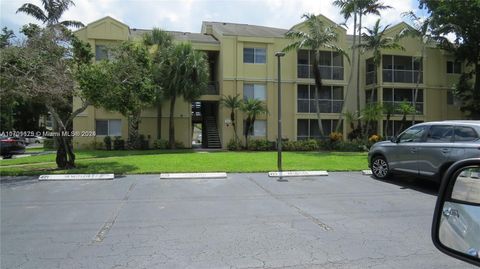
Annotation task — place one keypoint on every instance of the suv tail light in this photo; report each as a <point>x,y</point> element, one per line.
<point>8,140</point>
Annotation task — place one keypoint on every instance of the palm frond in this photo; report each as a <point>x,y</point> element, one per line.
<point>34,11</point>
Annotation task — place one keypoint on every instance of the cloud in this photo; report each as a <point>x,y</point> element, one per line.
<point>187,15</point>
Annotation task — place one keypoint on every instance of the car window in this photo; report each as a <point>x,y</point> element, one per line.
<point>413,134</point>
<point>464,133</point>
<point>440,134</point>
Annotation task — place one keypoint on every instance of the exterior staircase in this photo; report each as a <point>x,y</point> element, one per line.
<point>211,135</point>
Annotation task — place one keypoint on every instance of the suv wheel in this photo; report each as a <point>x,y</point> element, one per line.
<point>380,167</point>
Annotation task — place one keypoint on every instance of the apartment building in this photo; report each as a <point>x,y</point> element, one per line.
<point>242,62</point>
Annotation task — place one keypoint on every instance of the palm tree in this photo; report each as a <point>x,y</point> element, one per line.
<point>373,112</point>
<point>158,42</point>
<point>388,110</point>
<point>318,36</point>
<point>184,73</point>
<point>358,8</point>
<point>233,103</point>
<point>51,13</point>
<point>376,41</point>
<point>405,108</point>
<point>422,30</point>
<point>252,109</point>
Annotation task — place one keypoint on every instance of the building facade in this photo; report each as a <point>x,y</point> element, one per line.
<point>242,62</point>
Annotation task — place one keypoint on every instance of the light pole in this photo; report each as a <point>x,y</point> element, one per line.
<point>279,54</point>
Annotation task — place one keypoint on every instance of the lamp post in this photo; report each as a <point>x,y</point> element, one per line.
<point>279,54</point>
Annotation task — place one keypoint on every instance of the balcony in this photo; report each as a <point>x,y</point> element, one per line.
<point>326,72</point>
<point>402,76</point>
<point>213,88</point>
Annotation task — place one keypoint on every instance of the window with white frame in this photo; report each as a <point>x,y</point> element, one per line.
<point>254,55</point>
<point>254,91</point>
<point>108,127</point>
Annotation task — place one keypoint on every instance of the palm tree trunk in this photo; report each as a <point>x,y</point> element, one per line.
<point>234,125</point>
<point>358,64</point>
<point>159,120</point>
<point>350,77</point>
<point>247,130</point>
<point>415,91</point>
<point>133,123</point>
<point>171,124</point>
<point>318,86</point>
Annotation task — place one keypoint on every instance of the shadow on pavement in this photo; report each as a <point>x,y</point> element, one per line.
<point>414,183</point>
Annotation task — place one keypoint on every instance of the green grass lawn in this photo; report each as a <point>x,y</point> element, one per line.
<point>156,161</point>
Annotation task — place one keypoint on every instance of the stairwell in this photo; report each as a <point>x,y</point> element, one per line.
<point>213,139</point>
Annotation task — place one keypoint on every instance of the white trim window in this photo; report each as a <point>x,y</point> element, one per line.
<point>254,91</point>
<point>254,55</point>
<point>108,127</point>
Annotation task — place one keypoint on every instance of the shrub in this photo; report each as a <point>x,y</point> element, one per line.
<point>179,145</point>
<point>48,143</point>
<point>234,145</point>
<point>336,136</point>
<point>301,145</point>
<point>108,142</point>
<point>118,143</point>
<point>374,138</point>
<point>260,145</point>
<point>95,145</point>
<point>160,144</point>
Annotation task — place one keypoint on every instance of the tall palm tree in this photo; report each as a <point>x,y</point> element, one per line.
<point>233,103</point>
<point>158,42</point>
<point>318,36</point>
<point>373,112</point>
<point>388,110</point>
<point>376,41</point>
<point>185,74</point>
<point>422,30</point>
<point>252,109</point>
<point>51,13</point>
<point>358,8</point>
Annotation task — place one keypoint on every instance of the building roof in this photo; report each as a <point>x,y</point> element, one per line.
<point>237,29</point>
<point>179,36</point>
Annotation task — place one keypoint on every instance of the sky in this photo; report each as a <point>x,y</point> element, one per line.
<point>187,15</point>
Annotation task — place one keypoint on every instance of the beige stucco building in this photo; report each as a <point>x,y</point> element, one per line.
<point>242,62</point>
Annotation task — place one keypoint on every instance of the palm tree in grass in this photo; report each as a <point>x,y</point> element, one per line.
<point>184,73</point>
<point>252,108</point>
<point>158,42</point>
<point>233,103</point>
<point>51,13</point>
<point>372,112</point>
<point>317,36</point>
<point>376,41</point>
<point>388,110</point>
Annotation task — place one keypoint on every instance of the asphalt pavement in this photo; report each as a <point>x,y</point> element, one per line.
<point>344,220</point>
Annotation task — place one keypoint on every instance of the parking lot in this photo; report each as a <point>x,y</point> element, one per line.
<point>344,220</point>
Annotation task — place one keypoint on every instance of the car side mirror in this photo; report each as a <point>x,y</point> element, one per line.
<point>456,220</point>
<point>393,139</point>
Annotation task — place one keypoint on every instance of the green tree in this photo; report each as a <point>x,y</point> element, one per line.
<point>41,69</point>
<point>460,18</point>
<point>388,110</point>
<point>405,108</point>
<point>357,8</point>
<point>421,30</point>
<point>317,37</point>
<point>371,113</point>
<point>252,108</point>
<point>158,43</point>
<point>5,37</point>
<point>376,41</point>
<point>131,86</point>
<point>184,74</point>
<point>233,103</point>
<point>51,13</point>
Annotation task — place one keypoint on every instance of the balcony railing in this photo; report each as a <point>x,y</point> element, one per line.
<point>402,76</point>
<point>213,88</point>
<point>327,72</point>
<point>326,106</point>
<point>396,104</point>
